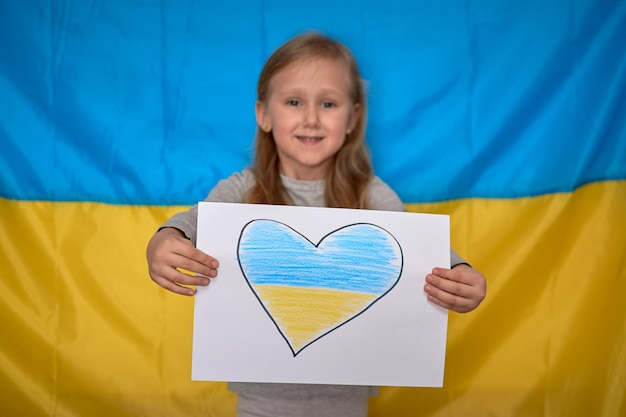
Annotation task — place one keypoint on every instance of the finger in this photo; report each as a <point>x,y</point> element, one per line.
<point>449,301</point>
<point>174,287</point>
<point>181,275</point>
<point>458,274</point>
<point>444,285</point>
<point>184,256</point>
<point>459,308</point>
<point>195,268</point>
<point>461,273</point>
<point>194,260</point>
<point>438,302</point>
<point>463,281</point>
<point>445,299</point>
<point>461,289</point>
<point>179,282</point>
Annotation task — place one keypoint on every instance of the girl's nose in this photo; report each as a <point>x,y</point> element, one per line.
<point>311,117</point>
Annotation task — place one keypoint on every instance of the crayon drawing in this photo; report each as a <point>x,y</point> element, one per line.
<point>316,295</point>
<point>311,289</point>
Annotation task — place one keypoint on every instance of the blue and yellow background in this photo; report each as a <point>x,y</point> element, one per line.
<point>508,115</point>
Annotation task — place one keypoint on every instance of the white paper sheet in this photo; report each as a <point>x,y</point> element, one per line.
<point>319,295</point>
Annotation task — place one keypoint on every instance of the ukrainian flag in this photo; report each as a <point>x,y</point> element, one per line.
<point>507,115</point>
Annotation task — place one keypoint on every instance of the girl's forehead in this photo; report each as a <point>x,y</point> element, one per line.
<point>307,67</point>
<point>316,61</point>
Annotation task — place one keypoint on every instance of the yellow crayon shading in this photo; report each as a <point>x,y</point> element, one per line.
<point>304,314</point>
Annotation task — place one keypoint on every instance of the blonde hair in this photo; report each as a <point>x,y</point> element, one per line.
<point>351,170</point>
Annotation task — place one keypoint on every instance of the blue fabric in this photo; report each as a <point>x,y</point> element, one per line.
<point>153,102</point>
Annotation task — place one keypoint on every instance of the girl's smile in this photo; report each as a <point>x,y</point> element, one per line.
<point>310,138</point>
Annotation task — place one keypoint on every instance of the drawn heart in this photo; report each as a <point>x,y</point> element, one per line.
<point>309,290</point>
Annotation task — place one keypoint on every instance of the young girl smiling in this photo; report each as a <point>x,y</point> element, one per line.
<point>310,151</point>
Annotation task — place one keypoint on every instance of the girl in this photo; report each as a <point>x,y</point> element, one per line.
<point>310,151</point>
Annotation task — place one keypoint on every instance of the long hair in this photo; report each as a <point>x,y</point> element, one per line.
<point>351,169</point>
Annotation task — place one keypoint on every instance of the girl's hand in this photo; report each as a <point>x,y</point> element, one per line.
<point>459,289</point>
<point>168,252</point>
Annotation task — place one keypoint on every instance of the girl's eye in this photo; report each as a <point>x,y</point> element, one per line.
<point>328,104</point>
<point>293,102</point>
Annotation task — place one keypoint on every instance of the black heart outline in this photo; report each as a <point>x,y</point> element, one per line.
<point>295,353</point>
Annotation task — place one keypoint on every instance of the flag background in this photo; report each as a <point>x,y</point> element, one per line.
<point>507,115</point>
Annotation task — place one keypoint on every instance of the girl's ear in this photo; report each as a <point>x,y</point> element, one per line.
<point>354,117</point>
<point>262,118</point>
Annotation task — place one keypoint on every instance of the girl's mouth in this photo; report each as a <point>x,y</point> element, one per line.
<point>309,138</point>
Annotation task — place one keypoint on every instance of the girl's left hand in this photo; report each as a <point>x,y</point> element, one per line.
<point>459,289</point>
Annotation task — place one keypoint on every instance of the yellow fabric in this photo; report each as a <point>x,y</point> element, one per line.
<point>86,333</point>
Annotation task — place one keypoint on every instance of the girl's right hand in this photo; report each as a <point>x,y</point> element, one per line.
<point>168,252</point>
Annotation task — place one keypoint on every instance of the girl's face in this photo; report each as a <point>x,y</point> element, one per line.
<point>309,111</point>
